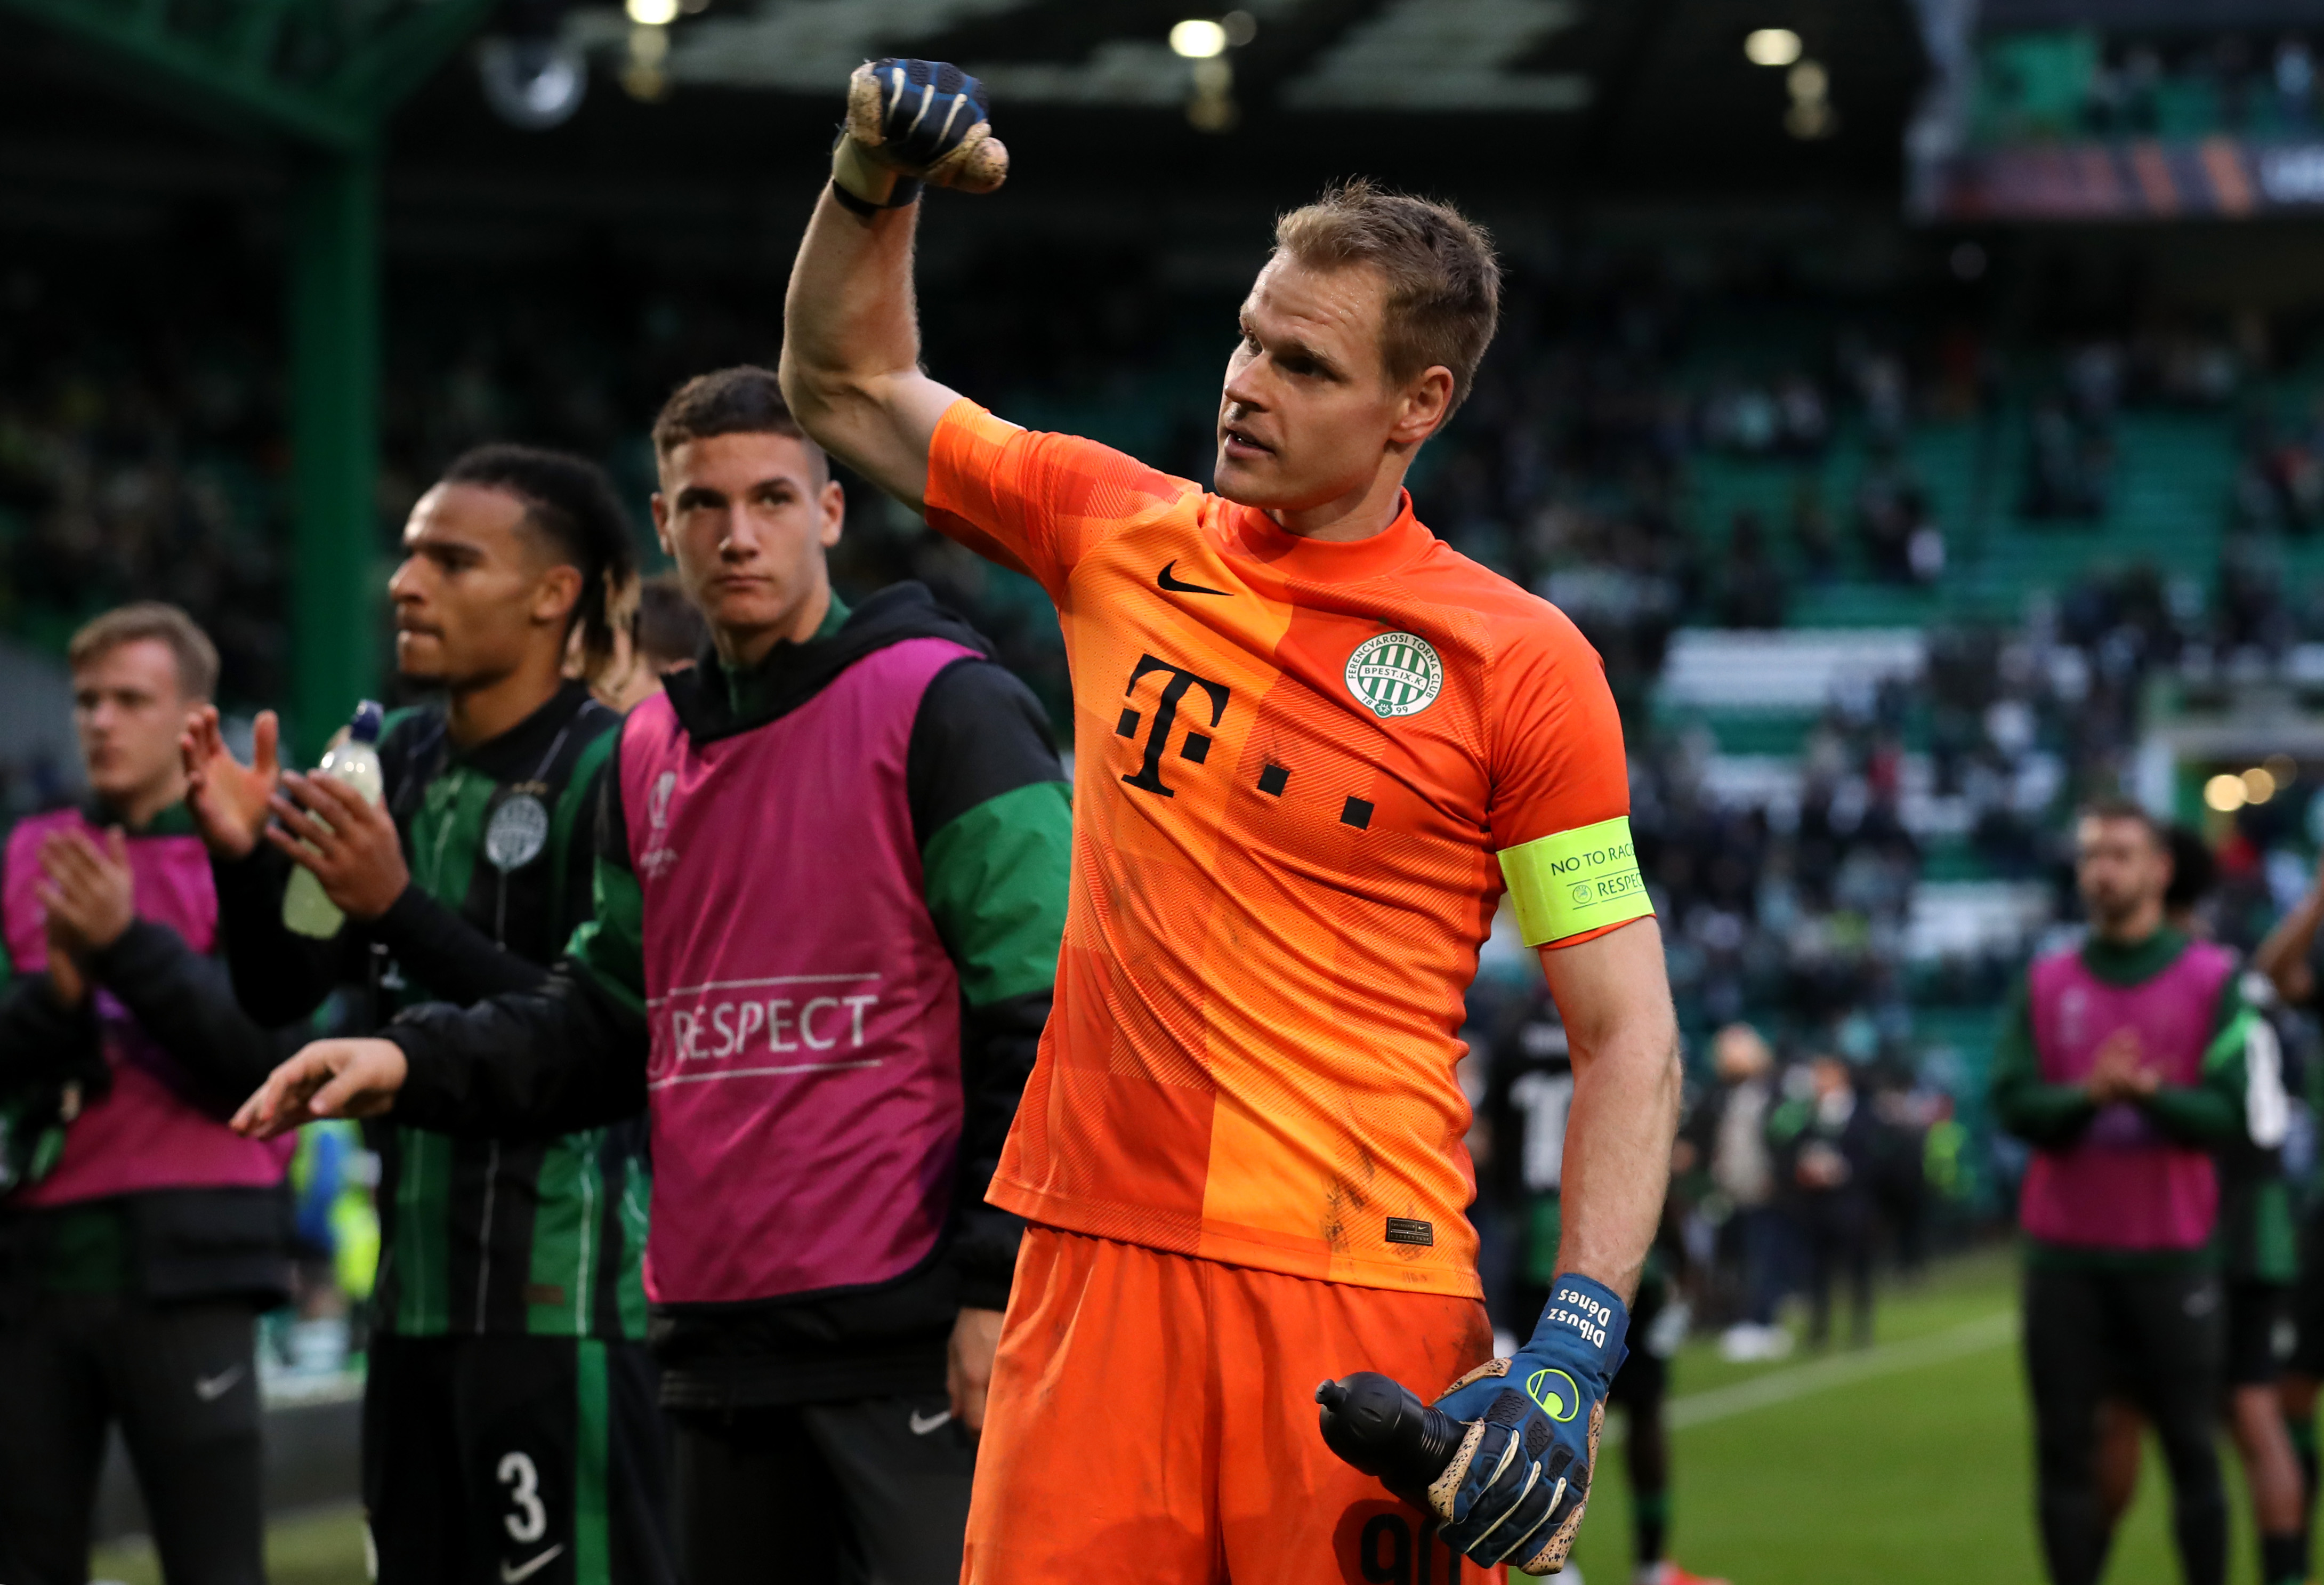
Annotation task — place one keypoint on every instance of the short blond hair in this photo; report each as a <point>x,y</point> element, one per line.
<point>196,657</point>
<point>1444,283</point>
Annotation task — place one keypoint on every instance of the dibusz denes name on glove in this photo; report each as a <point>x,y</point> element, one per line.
<point>1589,1320</point>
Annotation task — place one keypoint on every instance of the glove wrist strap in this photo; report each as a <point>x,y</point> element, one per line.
<point>866,185</point>
<point>1584,1311</point>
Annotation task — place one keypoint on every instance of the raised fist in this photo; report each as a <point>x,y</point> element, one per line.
<point>910,122</point>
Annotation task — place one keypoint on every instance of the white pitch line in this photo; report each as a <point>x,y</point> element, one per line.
<point>1781,1386</point>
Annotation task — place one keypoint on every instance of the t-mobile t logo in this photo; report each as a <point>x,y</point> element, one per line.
<point>1196,748</point>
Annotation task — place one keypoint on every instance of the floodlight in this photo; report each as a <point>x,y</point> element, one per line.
<point>532,83</point>
<point>1771,47</point>
<point>2226,793</point>
<point>1198,39</point>
<point>652,14</point>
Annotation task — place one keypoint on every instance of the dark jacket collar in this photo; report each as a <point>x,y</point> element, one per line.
<point>173,820</point>
<point>705,696</point>
<point>2132,963</point>
<point>519,753</point>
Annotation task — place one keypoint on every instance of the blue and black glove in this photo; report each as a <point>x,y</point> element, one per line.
<point>1514,1489</point>
<point>909,123</point>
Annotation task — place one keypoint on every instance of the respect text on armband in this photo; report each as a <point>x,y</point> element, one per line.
<point>1575,881</point>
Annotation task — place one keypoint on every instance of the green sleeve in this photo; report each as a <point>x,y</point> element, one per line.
<point>2211,1112</point>
<point>610,943</point>
<point>572,830</point>
<point>2043,1114</point>
<point>995,879</point>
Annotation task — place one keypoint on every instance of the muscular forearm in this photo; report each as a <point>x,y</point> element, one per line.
<point>1617,1153</point>
<point>851,348</point>
<point>1614,995</point>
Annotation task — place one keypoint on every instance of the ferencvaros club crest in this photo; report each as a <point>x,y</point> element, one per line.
<point>1396,674</point>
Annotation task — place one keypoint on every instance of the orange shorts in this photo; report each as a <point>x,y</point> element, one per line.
<point>1153,1421</point>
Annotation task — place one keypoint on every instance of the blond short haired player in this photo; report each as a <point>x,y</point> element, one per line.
<point>1305,729</point>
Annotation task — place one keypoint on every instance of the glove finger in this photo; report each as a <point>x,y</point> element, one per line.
<point>1497,1475</point>
<point>930,108</point>
<point>1527,1519</point>
<point>929,125</point>
<point>1479,1463</point>
<point>1526,1491</point>
<point>1510,1413</point>
<point>867,88</point>
<point>979,165</point>
<point>1444,1491</point>
<point>1565,1519</point>
<point>1556,1535</point>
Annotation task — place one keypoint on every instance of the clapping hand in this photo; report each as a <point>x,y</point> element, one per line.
<point>2117,1071</point>
<point>90,894</point>
<point>227,797</point>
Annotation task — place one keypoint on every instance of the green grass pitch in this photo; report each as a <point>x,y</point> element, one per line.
<point>1906,1464</point>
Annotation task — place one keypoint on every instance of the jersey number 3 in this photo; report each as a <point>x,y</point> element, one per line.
<point>530,1522</point>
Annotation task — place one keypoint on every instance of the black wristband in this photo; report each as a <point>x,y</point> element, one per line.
<point>906,192</point>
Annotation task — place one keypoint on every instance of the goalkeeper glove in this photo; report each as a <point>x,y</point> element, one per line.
<point>910,122</point>
<point>1514,1487</point>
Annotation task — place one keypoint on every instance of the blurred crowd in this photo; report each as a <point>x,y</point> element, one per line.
<point>1796,1175</point>
<point>2078,81</point>
<point>142,453</point>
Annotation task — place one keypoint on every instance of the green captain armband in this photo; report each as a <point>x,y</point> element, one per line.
<point>1575,881</point>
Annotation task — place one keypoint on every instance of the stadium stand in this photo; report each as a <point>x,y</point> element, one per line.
<point>1829,555</point>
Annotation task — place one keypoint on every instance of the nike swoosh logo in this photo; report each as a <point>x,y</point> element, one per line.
<point>1175,587</point>
<point>211,1388</point>
<point>924,1423</point>
<point>514,1573</point>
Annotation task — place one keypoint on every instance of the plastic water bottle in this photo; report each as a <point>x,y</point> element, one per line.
<point>305,908</point>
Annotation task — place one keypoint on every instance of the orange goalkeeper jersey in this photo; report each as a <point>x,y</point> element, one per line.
<point>1302,771</point>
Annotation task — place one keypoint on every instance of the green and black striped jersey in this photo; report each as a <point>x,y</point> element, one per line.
<point>522,1235</point>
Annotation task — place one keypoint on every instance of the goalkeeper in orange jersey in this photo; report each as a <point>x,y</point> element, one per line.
<point>1313,744</point>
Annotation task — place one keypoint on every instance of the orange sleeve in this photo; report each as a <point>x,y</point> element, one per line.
<point>1030,501</point>
<point>1558,760</point>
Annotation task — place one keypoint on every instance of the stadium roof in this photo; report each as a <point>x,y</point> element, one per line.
<point>1535,99</point>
